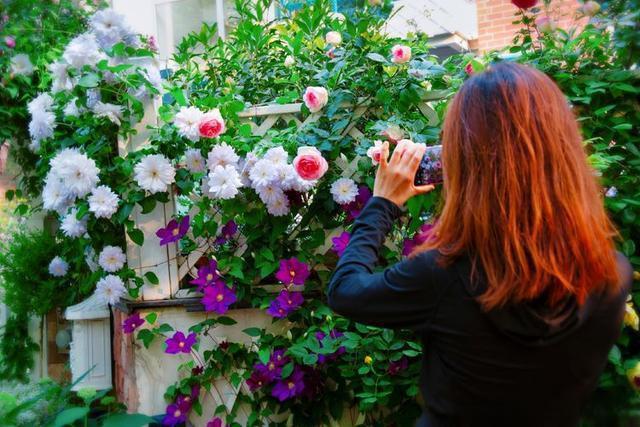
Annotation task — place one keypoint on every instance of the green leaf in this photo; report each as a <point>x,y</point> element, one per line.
<point>264,354</point>
<point>146,336</point>
<point>623,126</point>
<point>127,420</point>
<point>227,321</point>
<point>70,415</point>
<point>287,370</point>
<point>148,204</point>
<point>151,318</point>
<point>136,236</point>
<point>252,332</point>
<point>151,277</point>
<point>89,80</point>
<point>178,95</point>
<point>377,57</point>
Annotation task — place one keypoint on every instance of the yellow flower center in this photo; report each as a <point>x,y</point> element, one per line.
<point>181,344</point>
<point>271,366</point>
<point>292,273</point>
<point>175,231</point>
<point>177,413</point>
<point>209,277</point>
<point>291,385</point>
<point>220,297</point>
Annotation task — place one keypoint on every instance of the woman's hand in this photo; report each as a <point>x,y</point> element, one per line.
<point>395,177</point>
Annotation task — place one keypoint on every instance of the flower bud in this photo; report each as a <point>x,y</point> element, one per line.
<point>368,360</point>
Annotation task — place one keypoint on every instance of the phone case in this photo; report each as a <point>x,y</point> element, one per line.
<point>430,169</point>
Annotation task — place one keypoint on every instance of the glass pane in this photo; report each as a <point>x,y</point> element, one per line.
<point>176,19</point>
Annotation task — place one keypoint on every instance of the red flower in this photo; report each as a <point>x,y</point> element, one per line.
<point>212,124</point>
<point>524,4</point>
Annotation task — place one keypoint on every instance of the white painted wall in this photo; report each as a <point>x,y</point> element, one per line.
<point>434,17</point>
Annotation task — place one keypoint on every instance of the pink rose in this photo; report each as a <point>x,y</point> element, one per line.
<point>10,42</point>
<point>212,124</point>
<point>375,152</point>
<point>309,163</point>
<point>315,98</point>
<point>545,24</point>
<point>393,133</point>
<point>468,68</point>
<point>400,54</point>
<point>333,37</point>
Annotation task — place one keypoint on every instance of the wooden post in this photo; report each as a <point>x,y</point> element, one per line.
<point>160,260</point>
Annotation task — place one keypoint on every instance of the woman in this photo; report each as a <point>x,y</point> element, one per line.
<point>519,294</point>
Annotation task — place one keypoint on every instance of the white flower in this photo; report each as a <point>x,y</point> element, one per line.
<point>269,193</point>
<point>193,160</point>
<point>61,79</point>
<point>277,155</point>
<point>611,192</point>
<point>112,259</point>
<point>187,120</point>
<point>224,182</point>
<point>58,267</point>
<point>42,126</point>
<point>55,196</point>
<point>289,178</point>
<point>78,172</point>
<point>289,61</point>
<point>263,173</point>
<point>154,173</point>
<point>110,27</point>
<point>344,191</point>
<point>110,289</point>
<point>71,226</point>
<point>302,185</point>
<point>83,50</point>
<point>279,207</point>
<point>222,155</point>
<point>245,165</point>
<point>110,111</point>
<point>21,64</point>
<point>40,104</point>
<point>103,202</point>
<point>71,109</point>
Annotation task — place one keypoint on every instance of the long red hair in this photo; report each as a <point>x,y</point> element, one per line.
<point>519,196</point>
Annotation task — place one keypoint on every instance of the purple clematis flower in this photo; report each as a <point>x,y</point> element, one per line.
<point>285,303</point>
<point>259,377</point>
<point>421,236</point>
<point>178,343</point>
<point>176,414</point>
<point>173,231</point>
<point>289,387</point>
<point>278,357</point>
<point>218,297</point>
<point>398,366</point>
<point>227,232</point>
<point>207,275</point>
<point>132,323</point>
<point>354,208</point>
<point>216,422</point>
<point>340,242</point>
<point>293,271</point>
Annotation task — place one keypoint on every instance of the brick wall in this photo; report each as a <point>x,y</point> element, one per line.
<point>495,17</point>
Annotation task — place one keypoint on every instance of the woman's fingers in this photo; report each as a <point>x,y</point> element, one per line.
<point>421,189</point>
<point>399,152</point>
<point>384,155</point>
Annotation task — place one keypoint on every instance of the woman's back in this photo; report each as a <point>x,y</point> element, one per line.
<point>520,365</point>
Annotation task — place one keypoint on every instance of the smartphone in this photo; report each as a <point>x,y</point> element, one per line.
<point>430,169</point>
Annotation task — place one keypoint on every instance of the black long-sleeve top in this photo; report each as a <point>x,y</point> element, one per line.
<point>524,365</point>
